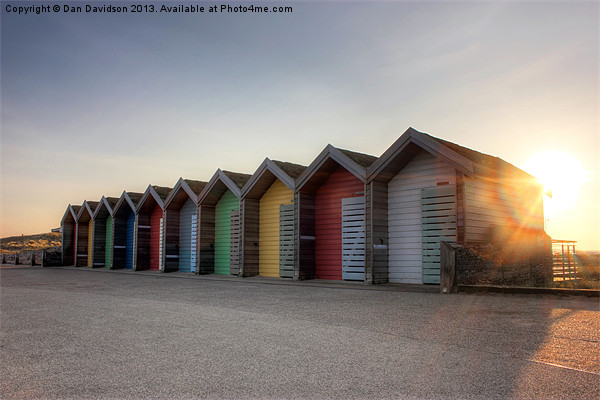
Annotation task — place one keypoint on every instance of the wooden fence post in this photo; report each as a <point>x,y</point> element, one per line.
<point>43,260</point>
<point>32,260</point>
<point>16,258</point>
<point>447,268</point>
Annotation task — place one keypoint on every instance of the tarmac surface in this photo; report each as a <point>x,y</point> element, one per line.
<point>92,334</point>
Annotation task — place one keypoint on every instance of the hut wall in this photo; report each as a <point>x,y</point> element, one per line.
<point>377,232</point>
<point>404,214</point>
<point>328,221</point>
<point>90,246</point>
<point>268,241</point>
<point>171,239</point>
<point>83,233</point>
<point>206,239</point>
<point>226,204</point>
<point>187,238</point>
<point>142,242</point>
<point>155,244</point>
<point>488,204</point>
<point>304,236</point>
<point>99,242</point>
<point>120,222</point>
<point>109,242</point>
<point>250,246</point>
<point>68,243</point>
<point>129,240</point>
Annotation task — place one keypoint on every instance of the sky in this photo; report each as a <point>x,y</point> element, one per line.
<point>97,103</point>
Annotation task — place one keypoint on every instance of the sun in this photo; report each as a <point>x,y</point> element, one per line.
<point>561,174</point>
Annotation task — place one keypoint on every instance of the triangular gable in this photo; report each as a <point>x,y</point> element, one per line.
<point>276,168</point>
<point>219,183</point>
<point>69,211</point>
<point>190,187</point>
<point>355,163</point>
<point>107,202</point>
<point>403,149</point>
<point>124,200</point>
<point>153,191</point>
<point>89,207</point>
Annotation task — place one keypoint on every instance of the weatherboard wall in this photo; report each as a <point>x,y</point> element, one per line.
<point>109,242</point>
<point>68,241</point>
<point>405,225</point>
<point>155,235</point>
<point>187,236</point>
<point>82,243</point>
<point>328,221</point>
<point>99,238</point>
<point>269,227</point>
<point>222,249</point>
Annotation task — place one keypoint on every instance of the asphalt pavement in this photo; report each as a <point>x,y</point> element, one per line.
<point>92,334</point>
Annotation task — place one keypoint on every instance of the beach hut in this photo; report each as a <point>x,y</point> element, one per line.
<point>68,225</point>
<point>330,215</point>
<point>424,190</point>
<point>180,242</point>
<point>85,234</point>
<point>149,229</point>
<point>267,207</point>
<point>123,232</point>
<point>103,228</point>
<point>219,219</point>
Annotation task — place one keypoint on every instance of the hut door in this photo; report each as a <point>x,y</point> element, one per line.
<point>353,238</point>
<point>234,249</point>
<point>286,240</point>
<point>194,239</point>
<point>438,221</point>
<point>160,247</point>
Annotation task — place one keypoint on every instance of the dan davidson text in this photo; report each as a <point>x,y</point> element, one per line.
<point>109,8</point>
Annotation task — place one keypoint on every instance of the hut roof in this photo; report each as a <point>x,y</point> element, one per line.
<point>293,170</point>
<point>238,178</point>
<point>364,160</point>
<point>162,191</point>
<point>196,186</point>
<point>112,201</point>
<point>135,197</point>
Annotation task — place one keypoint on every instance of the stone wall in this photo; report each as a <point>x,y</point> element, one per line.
<point>46,258</point>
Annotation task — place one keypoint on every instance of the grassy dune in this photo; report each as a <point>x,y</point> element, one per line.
<point>30,242</point>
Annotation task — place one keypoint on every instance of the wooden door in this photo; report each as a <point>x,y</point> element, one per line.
<point>438,221</point>
<point>286,240</point>
<point>353,238</point>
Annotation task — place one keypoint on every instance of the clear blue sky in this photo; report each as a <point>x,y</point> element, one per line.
<point>93,104</point>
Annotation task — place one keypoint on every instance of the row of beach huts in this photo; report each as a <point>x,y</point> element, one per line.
<point>347,216</point>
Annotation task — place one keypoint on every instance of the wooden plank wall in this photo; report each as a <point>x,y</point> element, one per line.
<point>304,236</point>
<point>171,225</point>
<point>129,240</point>
<point>376,199</point>
<point>99,242</point>
<point>438,221</point>
<point>353,238</point>
<point>90,247</point>
<point>186,214</point>
<point>68,243</point>
<point>268,243</point>
<point>119,240</point>
<point>155,243</point>
<point>235,237</point>
<point>328,221</point>
<point>286,240</point>
<point>489,203</point>
<point>108,242</point>
<point>142,232</point>
<point>226,204</point>
<point>83,232</point>
<point>206,239</point>
<point>404,214</point>
<point>250,214</point>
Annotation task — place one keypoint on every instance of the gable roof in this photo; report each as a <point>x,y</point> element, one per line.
<point>87,208</point>
<point>108,203</point>
<point>157,193</point>
<point>465,160</point>
<point>328,160</point>
<point>129,199</point>
<point>190,187</point>
<point>220,182</point>
<point>267,173</point>
<point>71,211</point>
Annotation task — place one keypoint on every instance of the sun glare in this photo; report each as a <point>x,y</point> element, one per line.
<point>561,174</point>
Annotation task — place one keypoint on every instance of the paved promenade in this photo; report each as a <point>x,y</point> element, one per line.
<point>92,334</point>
